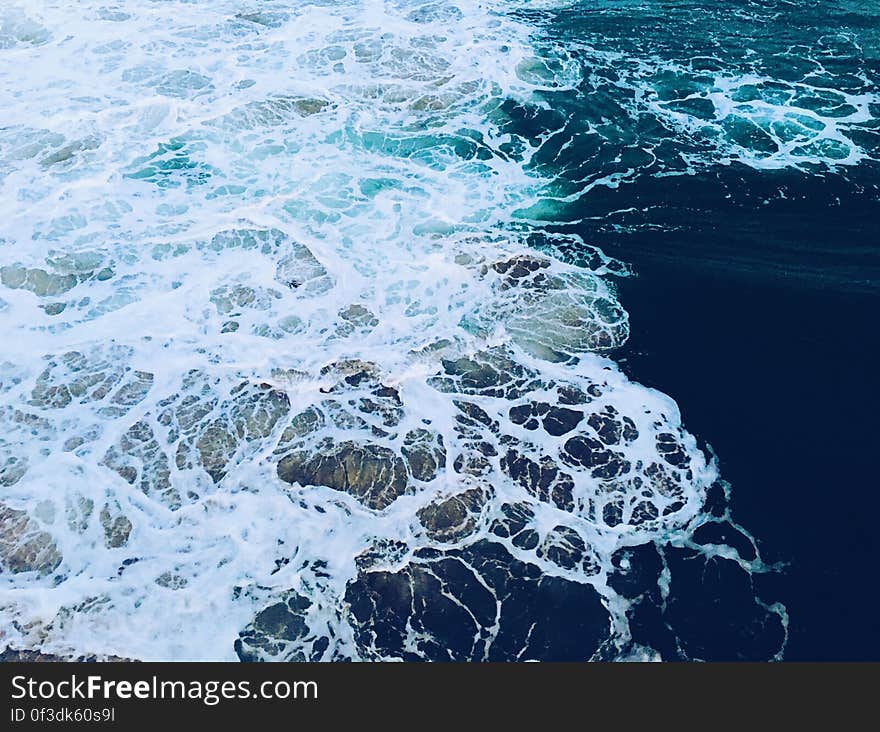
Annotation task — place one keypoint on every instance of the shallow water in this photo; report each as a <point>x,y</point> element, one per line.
<point>313,319</point>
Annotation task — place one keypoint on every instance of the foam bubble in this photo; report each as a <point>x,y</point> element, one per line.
<point>277,343</point>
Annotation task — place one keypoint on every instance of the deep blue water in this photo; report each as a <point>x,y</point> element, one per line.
<point>756,297</point>
<point>783,386</point>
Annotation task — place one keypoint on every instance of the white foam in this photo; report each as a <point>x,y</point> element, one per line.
<point>167,169</point>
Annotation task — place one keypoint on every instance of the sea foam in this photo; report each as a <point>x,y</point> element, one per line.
<point>275,342</point>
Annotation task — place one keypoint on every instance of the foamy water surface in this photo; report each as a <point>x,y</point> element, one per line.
<point>277,352</point>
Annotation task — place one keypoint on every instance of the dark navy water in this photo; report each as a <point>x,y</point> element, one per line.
<point>780,379</point>
<point>755,299</point>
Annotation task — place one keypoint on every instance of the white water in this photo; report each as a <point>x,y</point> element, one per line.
<point>193,197</point>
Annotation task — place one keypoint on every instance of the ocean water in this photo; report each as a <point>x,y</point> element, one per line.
<point>364,330</point>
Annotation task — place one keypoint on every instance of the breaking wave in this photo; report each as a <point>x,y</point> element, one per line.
<point>288,370</point>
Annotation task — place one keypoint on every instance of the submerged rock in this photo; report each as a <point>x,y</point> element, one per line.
<point>566,548</point>
<point>373,474</point>
<point>140,460</point>
<point>356,318</point>
<point>197,430</point>
<point>453,518</point>
<point>300,271</point>
<point>542,478</point>
<point>516,524</point>
<point>280,632</point>
<point>24,546</point>
<point>15,655</point>
<point>62,272</point>
<point>374,465</point>
<point>707,610</point>
<point>490,373</point>
<point>474,604</point>
<point>233,299</point>
<point>564,442</point>
<point>117,527</point>
<point>296,266</point>
<point>424,453</point>
<point>553,315</point>
<point>38,281</point>
<point>12,468</point>
<point>273,111</point>
<point>100,375</point>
